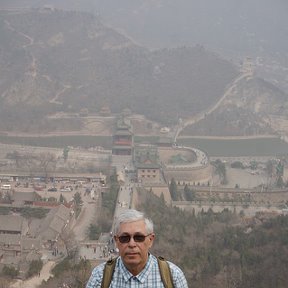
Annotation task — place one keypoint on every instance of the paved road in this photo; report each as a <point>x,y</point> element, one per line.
<point>126,189</point>
<point>89,213</point>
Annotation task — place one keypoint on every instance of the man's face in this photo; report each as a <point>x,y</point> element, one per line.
<point>134,254</point>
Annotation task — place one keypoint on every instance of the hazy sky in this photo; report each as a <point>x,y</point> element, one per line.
<point>229,27</point>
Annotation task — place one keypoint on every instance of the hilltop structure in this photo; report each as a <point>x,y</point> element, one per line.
<point>123,138</point>
<point>159,164</point>
<point>147,164</point>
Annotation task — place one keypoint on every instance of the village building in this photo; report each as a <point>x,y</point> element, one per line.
<point>147,165</point>
<point>23,240</point>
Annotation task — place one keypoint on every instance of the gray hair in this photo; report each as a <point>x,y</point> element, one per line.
<point>132,215</point>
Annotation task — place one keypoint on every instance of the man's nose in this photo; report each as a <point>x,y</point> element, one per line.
<point>132,241</point>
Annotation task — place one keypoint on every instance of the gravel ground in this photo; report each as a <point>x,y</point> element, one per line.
<point>243,178</point>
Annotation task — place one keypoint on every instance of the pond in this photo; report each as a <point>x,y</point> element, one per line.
<point>239,147</point>
<point>213,147</point>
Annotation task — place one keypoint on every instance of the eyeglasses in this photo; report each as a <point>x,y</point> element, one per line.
<point>127,238</point>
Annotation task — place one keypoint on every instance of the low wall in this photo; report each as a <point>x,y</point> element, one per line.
<point>190,176</point>
<point>247,209</point>
<point>199,171</point>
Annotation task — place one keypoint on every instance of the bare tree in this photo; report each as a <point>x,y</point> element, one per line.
<point>15,155</point>
<point>29,161</point>
<point>43,162</point>
<point>47,163</point>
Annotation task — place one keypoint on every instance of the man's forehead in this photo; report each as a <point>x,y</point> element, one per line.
<point>135,226</point>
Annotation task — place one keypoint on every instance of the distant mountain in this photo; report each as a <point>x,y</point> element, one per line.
<point>63,61</point>
<point>53,61</point>
<point>253,107</point>
<point>232,29</point>
<point>249,27</point>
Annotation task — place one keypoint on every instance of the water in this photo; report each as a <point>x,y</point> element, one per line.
<point>239,147</point>
<point>213,147</point>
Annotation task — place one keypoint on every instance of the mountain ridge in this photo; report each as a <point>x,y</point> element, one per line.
<point>55,61</point>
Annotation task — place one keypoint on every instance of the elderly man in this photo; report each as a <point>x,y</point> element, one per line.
<point>136,267</point>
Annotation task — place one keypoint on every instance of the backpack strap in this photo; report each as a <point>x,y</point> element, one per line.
<point>165,272</point>
<point>108,273</point>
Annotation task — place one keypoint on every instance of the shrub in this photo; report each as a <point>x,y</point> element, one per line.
<point>10,271</point>
<point>34,268</point>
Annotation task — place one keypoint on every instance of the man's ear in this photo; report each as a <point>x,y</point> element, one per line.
<point>116,240</point>
<point>151,238</point>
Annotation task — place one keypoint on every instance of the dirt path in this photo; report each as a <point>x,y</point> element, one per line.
<point>35,281</point>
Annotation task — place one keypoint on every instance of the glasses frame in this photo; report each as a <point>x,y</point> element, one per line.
<point>129,237</point>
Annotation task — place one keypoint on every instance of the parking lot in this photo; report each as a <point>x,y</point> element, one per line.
<point>48,188</point>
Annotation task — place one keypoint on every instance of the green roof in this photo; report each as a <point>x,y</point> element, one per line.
<point>147,159</point>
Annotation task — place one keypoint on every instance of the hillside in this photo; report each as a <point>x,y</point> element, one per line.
<point>55,61</point>
<point>213,249</point>
<point>221,249</point>
<point>253,107</point>
<point>65,61</point>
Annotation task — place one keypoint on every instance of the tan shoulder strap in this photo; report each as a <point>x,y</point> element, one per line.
<point>108,273</point>
<point>165,272</point>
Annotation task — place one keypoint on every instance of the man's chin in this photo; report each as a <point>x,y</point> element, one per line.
<point>132,256</point>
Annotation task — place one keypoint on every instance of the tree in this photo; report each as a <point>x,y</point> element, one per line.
<point>10,271</point>
<point>220,169</point>
<point>173,190</point>
<point>189,194</point>
<point>29,161</point>
<point>237,164</point>
<point>65,153</point>
<point>162,198</point>
<point>15,155</point>
<point>78,203</point>
<point>78,199</point>
<point>68,238</point>
<point>38,213</point>
<point>43,162</point>
<point>269,171</point>
<point>35,267</point>
<point>47,163</point>
<point>62,199</point>
<point>269,168</point>
<point>94,232</point>
<point>280,182</point>
<point>253,165</point>
<point>82,271</point>
<point>110,196</point>
<point>280,169</point>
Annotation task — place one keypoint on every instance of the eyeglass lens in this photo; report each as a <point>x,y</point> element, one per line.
<point>136,238</point>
